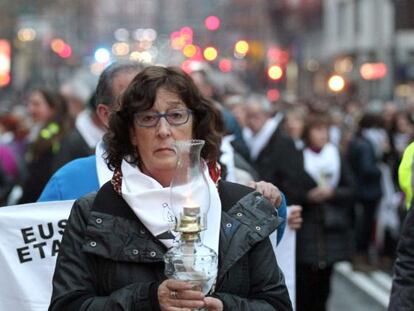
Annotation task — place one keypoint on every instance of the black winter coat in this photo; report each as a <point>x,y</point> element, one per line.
<point>361,156</point>
<point>277,163</point>
<point>326,233</point>
<point>108,260</point>
<point>402,291</point>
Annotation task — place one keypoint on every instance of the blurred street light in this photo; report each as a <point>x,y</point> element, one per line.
<point>225,65</point>
<point>26,34</point>
<point>275,72</point>
<point>241,47</point>
<point>212,23</point>
<point>373,71</point>
<point>189,50</point>
<point>5,60</point>
<point>336,83</point>
<point>102,55</point>
<point>210,53</point>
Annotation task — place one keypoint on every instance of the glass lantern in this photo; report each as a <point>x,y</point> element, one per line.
<point>189,259</point>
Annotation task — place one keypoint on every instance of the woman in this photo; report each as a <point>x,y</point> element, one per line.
<point>110,260</point>
<point>365,152</point>
<point>325,193</point>
<point>48,111</point>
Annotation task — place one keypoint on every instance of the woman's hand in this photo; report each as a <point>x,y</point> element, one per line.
<point>268,190</point>
<point>295,217</point>
<point>174,295</point>
<point>320,194</point>
<point>213,304</point>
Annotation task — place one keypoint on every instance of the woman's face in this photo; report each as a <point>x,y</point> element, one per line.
<point>294,126</point>
<point>38,108</point>
<point>155,144</point>
<point>318,136</point>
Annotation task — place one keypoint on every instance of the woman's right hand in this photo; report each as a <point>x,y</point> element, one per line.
<point>174,295</point>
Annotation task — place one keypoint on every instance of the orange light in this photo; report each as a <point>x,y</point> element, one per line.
<point>373,71</point>
<point>189,50</point>
<point>5,62</point>
<point>57,45</point>
<point>210,53</point>
<point>336,83</point>
<point>275,72</point>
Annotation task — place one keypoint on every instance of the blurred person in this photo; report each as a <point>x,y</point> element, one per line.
<point>203,81</point>
<point>6,186</point>
<point>160,106</point>
<point>83,138</point>
<point>87,174</point>
<point>325,189</point>
<point>77,95</point>
<point>48,110</point>
<point>336,128</point>
<point>365,153</point>
<point>272,152</point>
<point>389,111</point>
<point>236,104</point>
<point>293,125</point>
<point>353,112</point>
<point>9,162</point>
<point>14,133</point>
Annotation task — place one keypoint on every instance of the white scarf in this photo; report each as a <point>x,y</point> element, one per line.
<point>102,170</point>
<point>150,201</point>
<point>324,167</point>
<point>258,141</point>
<point>227,157</point>
<point>91,133</point>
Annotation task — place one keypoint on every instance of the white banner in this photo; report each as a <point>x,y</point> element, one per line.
<point>30,237</point>
<point>286,259</point>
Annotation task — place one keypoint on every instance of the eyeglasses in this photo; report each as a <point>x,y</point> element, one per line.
<point>174,117</point>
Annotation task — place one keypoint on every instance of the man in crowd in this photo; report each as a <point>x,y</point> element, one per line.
<point>85,175</point>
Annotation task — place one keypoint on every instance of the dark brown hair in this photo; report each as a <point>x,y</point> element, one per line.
<point>140,96</point>
<point>312,121</point>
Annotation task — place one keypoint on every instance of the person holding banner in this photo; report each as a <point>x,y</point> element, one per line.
<point>110,260</point>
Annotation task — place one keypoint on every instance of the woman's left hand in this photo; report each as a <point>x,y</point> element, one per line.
<point>269,191</point>
<point>213,304</point>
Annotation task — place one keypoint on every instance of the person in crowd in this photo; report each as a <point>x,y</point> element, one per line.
<point>108,271</point>
<point>14,133</point>
<point>203,81</point>
<point>48,110</point>
<point>6,185</point>
<point>272,152</point>
<point>364,154</point>
<point>87,174</point>
<point>77,95</point>
<point>293,125</point>
<point>83,138</point>
<point>325,189</point>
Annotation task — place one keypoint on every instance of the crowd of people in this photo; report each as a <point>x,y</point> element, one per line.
<point>334,161</point>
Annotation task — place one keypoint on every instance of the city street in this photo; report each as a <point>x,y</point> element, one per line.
<point>359,292</point>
